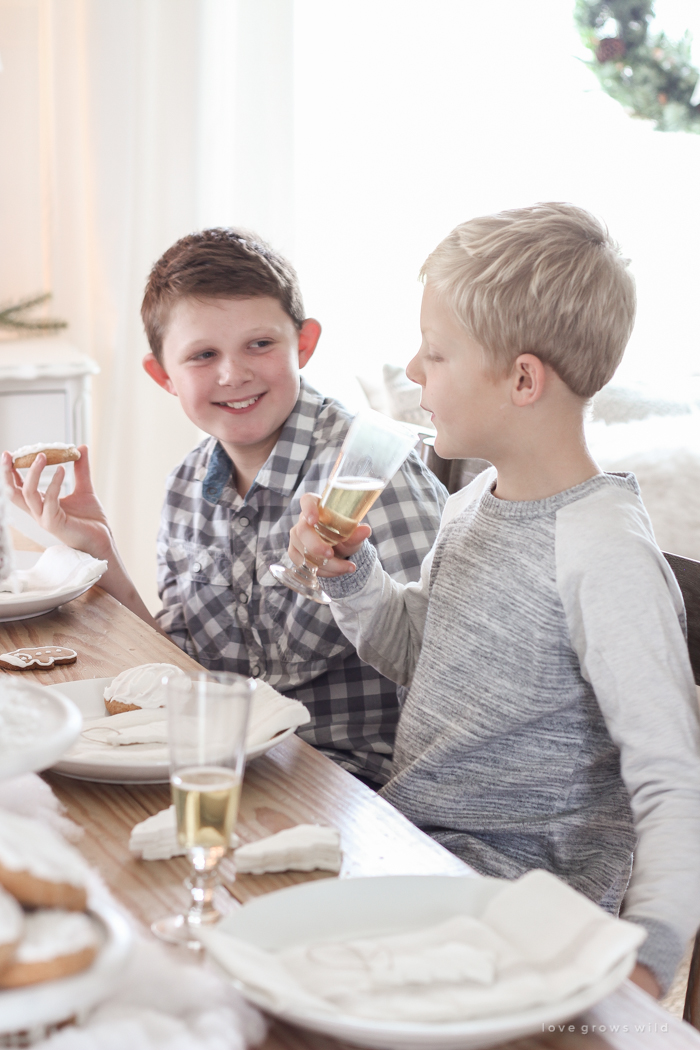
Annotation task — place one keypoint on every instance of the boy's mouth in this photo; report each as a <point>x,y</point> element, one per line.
<point>238,406</point>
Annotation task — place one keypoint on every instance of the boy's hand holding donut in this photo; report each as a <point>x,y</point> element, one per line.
<point>78,520</point>
<point>305,541</point>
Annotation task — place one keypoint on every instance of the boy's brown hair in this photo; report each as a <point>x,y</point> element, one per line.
<point>546,280</point>
<point>217,264</point>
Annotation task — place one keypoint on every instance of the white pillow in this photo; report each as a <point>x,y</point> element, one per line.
<point>373,389</point>
<point>664,453</point>
<point>404,397</point>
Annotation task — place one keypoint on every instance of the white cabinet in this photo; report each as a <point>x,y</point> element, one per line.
<point>44,392</point>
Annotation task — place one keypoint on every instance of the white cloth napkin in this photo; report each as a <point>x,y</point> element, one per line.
<point>57,568</point>
<point>155,838</point>
<point>141,736</point>
<point>537,941</point>
<point>307,847</point>
<point>271,713</point>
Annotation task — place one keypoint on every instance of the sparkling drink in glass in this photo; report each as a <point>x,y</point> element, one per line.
<point>375,446</point>
<point>207,724</point>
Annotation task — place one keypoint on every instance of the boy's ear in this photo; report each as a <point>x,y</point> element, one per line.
<point>308,338</point>
<point>156,371</point>
<point>528,380</point>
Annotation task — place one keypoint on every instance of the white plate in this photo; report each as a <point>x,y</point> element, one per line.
<point>337,908</point>
<point>53,1001</point>
<point>60,726</point>
<point>135,764</point>
<point>24,606</point>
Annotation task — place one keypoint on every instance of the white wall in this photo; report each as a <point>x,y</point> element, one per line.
<point>413,116</point>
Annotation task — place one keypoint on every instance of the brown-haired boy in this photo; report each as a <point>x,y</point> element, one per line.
<point>225,321</point>
<point>552,718</point>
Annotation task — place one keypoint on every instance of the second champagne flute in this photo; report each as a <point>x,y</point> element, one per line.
<point>207,726</point>
<point>375,446</point>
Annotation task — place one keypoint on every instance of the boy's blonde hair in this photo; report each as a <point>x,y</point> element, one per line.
<point>546,280</point>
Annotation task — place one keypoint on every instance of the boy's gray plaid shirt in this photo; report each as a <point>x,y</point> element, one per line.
<point>223,607</point>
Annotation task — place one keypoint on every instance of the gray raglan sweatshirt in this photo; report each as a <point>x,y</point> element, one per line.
<point>552,717</point>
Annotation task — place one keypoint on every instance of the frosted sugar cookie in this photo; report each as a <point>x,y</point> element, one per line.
<point>55,944</point>
<point>11,927</point>
<point>38,867</point>
<point>139,687</point>
<point>55,452</point>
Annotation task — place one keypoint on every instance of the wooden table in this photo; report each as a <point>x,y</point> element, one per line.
<point>292,784</point>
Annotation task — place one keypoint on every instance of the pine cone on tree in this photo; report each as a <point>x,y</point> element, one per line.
<point>610,49</point>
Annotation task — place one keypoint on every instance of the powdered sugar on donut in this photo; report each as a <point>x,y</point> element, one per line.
<point>50,933</point>
<point>142,685</point>
<point>28,845</point>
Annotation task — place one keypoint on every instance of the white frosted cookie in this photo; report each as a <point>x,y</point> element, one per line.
<point>38,867</point>
<point>139,687</point>
<point>55,452</point>
<point>11,927</point>
<point>55,944</point>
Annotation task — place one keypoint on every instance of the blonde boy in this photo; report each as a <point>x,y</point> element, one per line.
<point>552,719</point>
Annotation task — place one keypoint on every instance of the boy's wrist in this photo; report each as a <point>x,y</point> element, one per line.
<point>350,583</point>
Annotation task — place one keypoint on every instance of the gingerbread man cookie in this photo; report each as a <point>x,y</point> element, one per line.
<point>38,658</point>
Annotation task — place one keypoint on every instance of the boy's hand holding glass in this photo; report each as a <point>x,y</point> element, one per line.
<point>374,448</point>
<point>306,543</point>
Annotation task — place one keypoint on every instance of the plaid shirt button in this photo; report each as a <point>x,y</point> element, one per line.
<point>234,612</point>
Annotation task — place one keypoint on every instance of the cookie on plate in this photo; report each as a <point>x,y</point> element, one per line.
<point>38,867</point>
<point>139,687</point>
<point>11,928</point>
<point>55,944</point>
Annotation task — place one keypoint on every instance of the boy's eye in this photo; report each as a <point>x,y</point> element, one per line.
<point>204,355</point>
<point>261,344</point>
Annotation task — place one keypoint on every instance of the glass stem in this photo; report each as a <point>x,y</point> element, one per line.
<point>202,884</point>
<point>307,573</point>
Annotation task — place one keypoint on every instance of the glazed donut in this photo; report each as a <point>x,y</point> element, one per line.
<point>55,452</point>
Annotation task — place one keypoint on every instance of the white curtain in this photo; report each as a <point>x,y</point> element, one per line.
<point>125,124</point>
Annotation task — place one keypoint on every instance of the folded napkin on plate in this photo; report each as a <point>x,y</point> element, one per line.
<point>57,568</point>
<point>130,727</point>
<point>272,713</point>
<point>155,838</point>
<point>537,941</point>
<point>307,847</point>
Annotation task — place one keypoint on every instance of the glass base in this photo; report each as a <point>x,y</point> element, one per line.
<point>302,581</point>
<point>177,930</point>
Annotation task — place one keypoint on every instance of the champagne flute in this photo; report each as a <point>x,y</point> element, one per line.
<point>207,724</point>
<point>375,446</point>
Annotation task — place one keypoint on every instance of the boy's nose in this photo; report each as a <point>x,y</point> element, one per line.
<point>234,373</point>
<point>413,371</point>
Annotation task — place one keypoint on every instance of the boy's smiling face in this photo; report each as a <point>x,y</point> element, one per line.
<point>465,400</point>
<point>234,364</point>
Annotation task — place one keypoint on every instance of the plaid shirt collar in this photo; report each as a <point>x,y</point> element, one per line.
<point>281,470</point>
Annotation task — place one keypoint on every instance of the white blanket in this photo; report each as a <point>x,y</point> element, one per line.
<point>537,941</point>
<point>57,568</point>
